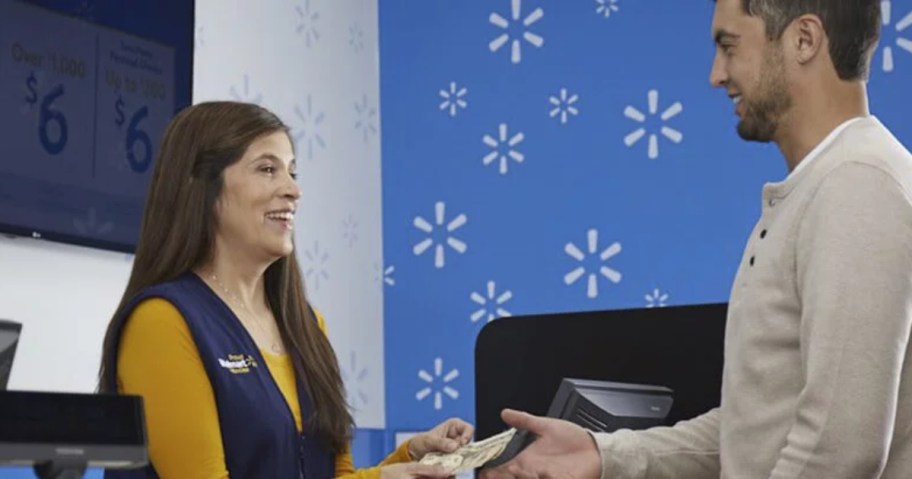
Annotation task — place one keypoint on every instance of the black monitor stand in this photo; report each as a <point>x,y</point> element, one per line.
<point>60,469</point>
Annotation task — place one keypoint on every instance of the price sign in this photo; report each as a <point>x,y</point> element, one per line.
<point>82,108</point>
<point>43,86</point>
<point>135,101</point>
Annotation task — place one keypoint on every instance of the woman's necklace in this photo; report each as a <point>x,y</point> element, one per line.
<point>274,347</point>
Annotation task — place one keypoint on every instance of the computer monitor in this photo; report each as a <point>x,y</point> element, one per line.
<point>9,339</point>
<point>60,434</point>
<point>599,406</point>
<point>521,361</point>
<point>72,431</point>
<point>605,406</point>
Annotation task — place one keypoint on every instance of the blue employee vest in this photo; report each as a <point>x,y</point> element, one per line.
<point>259,436</point>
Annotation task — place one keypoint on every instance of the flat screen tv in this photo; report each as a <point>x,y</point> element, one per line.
<point>87,88</point>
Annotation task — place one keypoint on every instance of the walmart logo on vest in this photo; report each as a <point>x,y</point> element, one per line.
<point>238,363</point>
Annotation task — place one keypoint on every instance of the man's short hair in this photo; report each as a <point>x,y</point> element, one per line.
<point>852,26</point>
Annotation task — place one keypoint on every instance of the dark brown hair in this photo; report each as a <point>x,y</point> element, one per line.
<point>177,235</point>
<point>852,26</point>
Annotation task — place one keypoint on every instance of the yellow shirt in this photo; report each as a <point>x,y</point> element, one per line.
<point>159,361</point>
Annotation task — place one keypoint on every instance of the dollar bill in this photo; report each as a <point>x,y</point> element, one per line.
<point>471,456</point>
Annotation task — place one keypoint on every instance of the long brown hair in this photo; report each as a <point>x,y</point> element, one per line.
<point>177,235</point>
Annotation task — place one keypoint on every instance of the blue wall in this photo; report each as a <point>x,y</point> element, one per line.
<point>674,221</point>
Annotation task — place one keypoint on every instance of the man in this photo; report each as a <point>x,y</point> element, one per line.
<point>818,373</point>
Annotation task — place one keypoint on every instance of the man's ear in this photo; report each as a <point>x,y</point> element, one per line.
<point>807,38</point>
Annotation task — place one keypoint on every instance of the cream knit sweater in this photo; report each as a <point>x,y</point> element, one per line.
<point>818,373</point>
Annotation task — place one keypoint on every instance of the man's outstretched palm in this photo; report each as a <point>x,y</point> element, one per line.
<point>562,450</point>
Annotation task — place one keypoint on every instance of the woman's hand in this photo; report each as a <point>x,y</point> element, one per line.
<point>446,437</point>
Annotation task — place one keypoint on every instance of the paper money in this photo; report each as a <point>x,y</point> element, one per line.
<point>471,456</point>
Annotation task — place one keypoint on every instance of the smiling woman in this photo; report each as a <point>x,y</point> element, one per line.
<point>214,330</point>
<point>256,209</point>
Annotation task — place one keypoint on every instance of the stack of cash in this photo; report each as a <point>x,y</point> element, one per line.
<point>471,456</point>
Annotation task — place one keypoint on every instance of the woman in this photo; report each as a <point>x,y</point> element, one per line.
<point>214,331</point>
